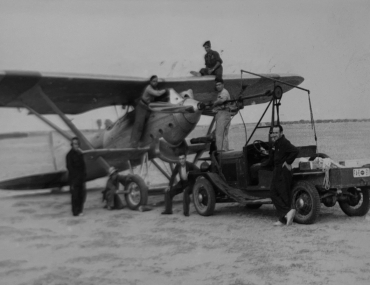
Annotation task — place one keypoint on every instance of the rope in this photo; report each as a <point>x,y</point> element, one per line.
<point>326,181</point>
<point>245,128</point>
<point>326,164</point>
<point>240,113</point>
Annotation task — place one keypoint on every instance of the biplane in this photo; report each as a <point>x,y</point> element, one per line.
<point>171,120</point>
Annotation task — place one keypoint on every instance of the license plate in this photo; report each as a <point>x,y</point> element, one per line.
<point>361,172</point>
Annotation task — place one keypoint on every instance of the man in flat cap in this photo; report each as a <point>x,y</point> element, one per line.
<point>110,193</point>
<point>213,63</point>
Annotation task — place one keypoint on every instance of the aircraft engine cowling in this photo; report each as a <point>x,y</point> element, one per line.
<point>182,123</point>
<point>174,127</point>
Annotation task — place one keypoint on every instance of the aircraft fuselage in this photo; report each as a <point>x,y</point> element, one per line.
<point>171,128</point>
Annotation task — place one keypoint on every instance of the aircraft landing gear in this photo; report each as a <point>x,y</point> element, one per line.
<point>136,192</point>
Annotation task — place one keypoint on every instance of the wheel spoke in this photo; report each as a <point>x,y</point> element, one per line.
<point>134,194</point>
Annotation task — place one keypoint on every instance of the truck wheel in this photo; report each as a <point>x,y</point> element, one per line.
<point>138,194</point>
<point>358,204</point>
<point>306,201</point>
<point>204,197</point>
<point>253,206</point>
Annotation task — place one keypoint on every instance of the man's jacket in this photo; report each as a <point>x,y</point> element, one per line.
<point>211,58</point>
<point>189,167</point>
<point>282,151</point>
<point>76,167</point>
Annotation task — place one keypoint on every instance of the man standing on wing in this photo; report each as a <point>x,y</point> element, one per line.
<point>76,176</point>
<point>281,158</point>
<point>223,111</point>
<point>182,168</point>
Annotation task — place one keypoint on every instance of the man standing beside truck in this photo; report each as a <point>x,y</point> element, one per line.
<point>282,155</point>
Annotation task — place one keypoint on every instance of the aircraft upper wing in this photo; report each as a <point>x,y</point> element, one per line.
<point>75,94</point>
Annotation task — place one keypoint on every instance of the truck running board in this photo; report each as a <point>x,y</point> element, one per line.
<point>260,201</point>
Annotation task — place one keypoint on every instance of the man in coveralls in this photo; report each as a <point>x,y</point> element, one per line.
<point>182,167</point>
<point>142,111</point>
<point>76,176</point>
<point>111,188</point>
<point>213,62</point>
<point>282,155</point>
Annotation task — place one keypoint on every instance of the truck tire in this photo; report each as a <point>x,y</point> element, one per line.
<point>306,200</point>
<point>360,204</point>
<point>204,197</point>
<point>138,194</point>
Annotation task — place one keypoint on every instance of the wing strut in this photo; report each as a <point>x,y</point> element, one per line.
<point>48,122</point>
<point>161,169</point>
<point>200,153</point>
<point>68,122</point>
<point>85,143</point>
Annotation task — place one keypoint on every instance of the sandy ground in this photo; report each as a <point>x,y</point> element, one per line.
<point>41,243</point>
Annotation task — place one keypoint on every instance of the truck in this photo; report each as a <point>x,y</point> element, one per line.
<point>226,176</point>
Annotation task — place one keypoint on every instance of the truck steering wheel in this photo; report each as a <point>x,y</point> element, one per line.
<point>261,147</point>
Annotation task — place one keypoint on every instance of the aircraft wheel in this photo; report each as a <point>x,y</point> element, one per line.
<point>306,201</point>
<point>204,197</point>
<point>357,204</point>
<point>138,194</point>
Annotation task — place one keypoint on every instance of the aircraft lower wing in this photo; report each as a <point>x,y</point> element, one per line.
<point>127,153</point>
<point>37,181</point>
<point>13,135</point>
<point>115,157</point>
<point>75,94</point>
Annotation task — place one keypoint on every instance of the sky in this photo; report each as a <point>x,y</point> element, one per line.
<point>325,41</point>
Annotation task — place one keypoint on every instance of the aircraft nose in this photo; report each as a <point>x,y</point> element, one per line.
<point>197,106</point>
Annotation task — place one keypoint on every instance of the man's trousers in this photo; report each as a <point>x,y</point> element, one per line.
<point>281,192</point>
<point>78,193</point>
<point>182,186</point>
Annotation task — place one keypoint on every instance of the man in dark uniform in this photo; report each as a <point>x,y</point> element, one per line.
<point>142,111</point>
<point>213,62</point>
<point>76,176</point>
<point>182,168</point>
<point>281,157</point>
